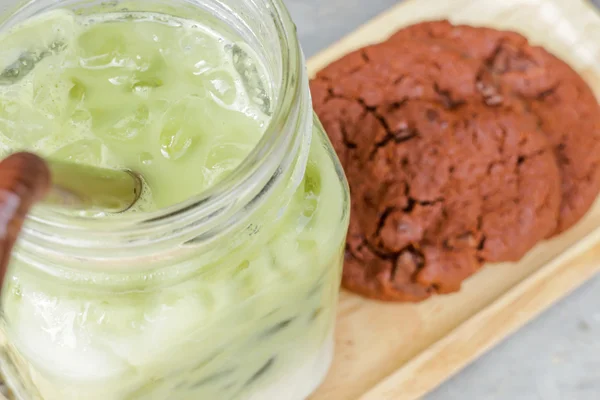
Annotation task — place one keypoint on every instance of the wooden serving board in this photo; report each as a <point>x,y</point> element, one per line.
<point>403,351</point>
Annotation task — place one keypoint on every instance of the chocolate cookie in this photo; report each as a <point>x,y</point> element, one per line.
<point>565,106</point>
<point>439,185</point>
<point>388,73</point>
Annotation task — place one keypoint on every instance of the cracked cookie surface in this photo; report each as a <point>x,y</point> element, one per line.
<point>440,181</point>
<point>564,104</point>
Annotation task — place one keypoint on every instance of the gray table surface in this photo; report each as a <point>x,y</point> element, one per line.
<point>556,356</point>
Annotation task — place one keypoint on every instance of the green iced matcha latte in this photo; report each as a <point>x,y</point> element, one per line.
<point>183,103</point>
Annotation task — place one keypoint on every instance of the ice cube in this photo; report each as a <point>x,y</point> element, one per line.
<point>293,257</point>
<point>174,140</point>
<point>143,87</point>
<point>84,151</point>
<point>134,46</point>
<point>119,80</point>
<point>23,125</point>
<point>103,46</point>
<point>221,87</point>
<point>200,52</point>
<point>52,332</point>
<point>130,126</point>
<point>123,123</point>
<point>164,328</point>
<point>224,158</point>
<point>79,124</point>
<point>54,94</point>
<point>312,193</point>
<point>153,75</point>
<point>179,132</point>
<point>104,89</point>
<point>148,329</point>
<point>228,154</point>
<point>118,87</point>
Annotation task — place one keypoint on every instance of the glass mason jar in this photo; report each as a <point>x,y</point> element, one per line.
<point>230,295</point>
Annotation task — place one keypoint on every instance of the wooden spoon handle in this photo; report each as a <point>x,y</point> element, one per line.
<point>24,180</point>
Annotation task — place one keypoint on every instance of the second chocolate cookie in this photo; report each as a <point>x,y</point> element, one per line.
<point>564,104</point>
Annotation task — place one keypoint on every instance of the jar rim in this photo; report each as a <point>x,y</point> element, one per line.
<point>206,204</point>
